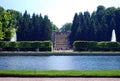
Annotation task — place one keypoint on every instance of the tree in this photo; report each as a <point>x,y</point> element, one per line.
<point>117,18</point>
<point>8,24</point>
<point>66,27</point>
<point>35,28</point>
<point>86,26</point>
<point>1,32</point>
<point>96,27</point>
<point>54,28</point>
<point>1,28</point>
<point>46,29</point>
<point>74,27</point>
<point>100,13</point>
<point>1,10</point>
<point>24,29</point>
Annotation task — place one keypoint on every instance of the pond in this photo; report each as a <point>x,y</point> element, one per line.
<point>59,62</point>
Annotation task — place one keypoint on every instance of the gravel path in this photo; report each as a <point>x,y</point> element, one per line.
<point>58,79</point>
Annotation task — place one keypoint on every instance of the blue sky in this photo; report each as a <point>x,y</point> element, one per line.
<point>59,11</point>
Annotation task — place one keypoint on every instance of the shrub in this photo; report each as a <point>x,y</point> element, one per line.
<point>26,46</point>
<point>96,46</point>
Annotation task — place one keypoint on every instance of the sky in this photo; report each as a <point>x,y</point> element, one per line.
<point>58,11</point>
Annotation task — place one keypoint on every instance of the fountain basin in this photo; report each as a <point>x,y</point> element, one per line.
<point>71,62</point>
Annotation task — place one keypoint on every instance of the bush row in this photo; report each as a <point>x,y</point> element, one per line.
<point>96,46</point>
<point>26,46</point>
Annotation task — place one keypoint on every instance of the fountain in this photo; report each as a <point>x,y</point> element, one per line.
<point>14,38</point>
<point>113,38</point>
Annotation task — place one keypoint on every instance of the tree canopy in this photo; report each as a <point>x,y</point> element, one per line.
<point>35,28</point>
<point>28,28</point>
<point>66,27</point>
<point>8,24</point>
<point>97,26</point>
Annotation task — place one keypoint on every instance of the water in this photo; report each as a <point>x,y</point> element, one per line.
<point>14,38</point>
<point>113,38</point>
<point>59,62</point>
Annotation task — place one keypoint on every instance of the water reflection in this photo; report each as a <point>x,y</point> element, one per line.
<point>59,62</point>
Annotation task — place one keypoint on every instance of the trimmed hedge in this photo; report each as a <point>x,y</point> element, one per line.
<point>96,46</point>
<point>26,46</point>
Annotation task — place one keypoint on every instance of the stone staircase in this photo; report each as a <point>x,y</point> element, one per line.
<point>60,40</point>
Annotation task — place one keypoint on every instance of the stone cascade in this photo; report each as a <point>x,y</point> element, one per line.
<point>61,41</point>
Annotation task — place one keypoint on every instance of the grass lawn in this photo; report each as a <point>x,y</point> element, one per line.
<point>61,73</point>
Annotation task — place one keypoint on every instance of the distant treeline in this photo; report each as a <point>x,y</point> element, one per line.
<point>35,28</point>
<point>28,28</point>
<point>97,26</point>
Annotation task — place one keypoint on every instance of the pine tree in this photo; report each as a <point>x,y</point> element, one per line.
<point>74,28</point>
<point>46,29</point>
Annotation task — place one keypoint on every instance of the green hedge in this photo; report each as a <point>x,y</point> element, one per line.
<point>26,46</point>
<point>96,46</point>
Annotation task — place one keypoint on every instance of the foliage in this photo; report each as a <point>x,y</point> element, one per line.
<point>96,27</point>
<point>26,46</point>
<point>8,24</point>
<point>96,46</point>
<point>54,28</point>
<point>35,28</point>
<point>1,32</point>
<point>66,27</point>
